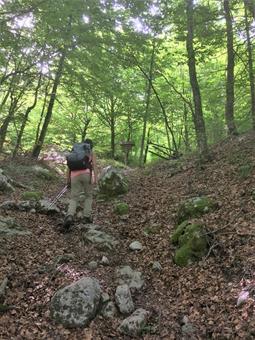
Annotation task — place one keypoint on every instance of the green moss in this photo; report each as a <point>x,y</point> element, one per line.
<point>32,195</point>
<point>195,207</point>
<point>192,242</point>
<point>179,231</point>
<point>183,256</point>
<point>121,208</point>
<point>245,171</point>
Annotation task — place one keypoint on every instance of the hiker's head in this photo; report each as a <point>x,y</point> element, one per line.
<point>89,141</point>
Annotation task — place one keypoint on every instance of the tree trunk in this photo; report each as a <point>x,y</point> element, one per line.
<point>147,106</point>
<point>112,126</point>
<point>230,96</point>
<point>39,144</point>
<point>198,112</point>
<point>24,122</point>
<point>250,62</point>
<point>7,120</point>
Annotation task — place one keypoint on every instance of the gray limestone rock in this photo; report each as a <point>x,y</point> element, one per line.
<point>136,246</point>
<point>126,275</point>
<point>101,239</point>
<point>77,304</point>
<point>124,300</point>
<point>135,323</point>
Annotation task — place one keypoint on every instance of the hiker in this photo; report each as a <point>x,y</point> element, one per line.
<point>81,175</point>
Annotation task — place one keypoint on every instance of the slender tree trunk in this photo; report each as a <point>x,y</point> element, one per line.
<point>42,113</point>
<point>147,106</point>
<point>7,120</point>
<point>198,112</point>
<point>112,127</point>
<point>250,62</point>
<point>39,144</point>
<point>24,122</point>
<point>230,95</point>
<point>147,146</point>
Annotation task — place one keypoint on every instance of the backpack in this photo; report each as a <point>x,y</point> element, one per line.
<point>80,157</point>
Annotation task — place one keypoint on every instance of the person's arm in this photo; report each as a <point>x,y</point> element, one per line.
<point>94,163</point>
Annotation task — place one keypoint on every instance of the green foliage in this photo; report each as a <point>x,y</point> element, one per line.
<point>245,171</point>
<point>32,195</point>
<point>121,208</point>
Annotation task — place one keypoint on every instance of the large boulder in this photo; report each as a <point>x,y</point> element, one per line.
<point>42,173</point>
<point>77,304</point>
<point>5,185</point>
<point>112,182</point>
<point>195,207</point>
<point>192,243</point>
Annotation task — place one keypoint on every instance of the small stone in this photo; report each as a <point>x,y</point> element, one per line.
<point>136,246</point>
<point>105,297</point>
<point>105,261</point>
<point>92,265</point>
<point>109,310</point>
<point>156,266</point>
<point>134,324</point>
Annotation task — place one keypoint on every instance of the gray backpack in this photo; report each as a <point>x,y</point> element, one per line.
<point>80,157</point>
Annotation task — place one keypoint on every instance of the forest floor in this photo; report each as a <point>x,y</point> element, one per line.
<point>205,292</point>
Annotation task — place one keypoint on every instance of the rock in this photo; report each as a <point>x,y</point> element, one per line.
<point>192,243</point>
<point>77,304</point>
<point>135,323</point>
<point>5,185</point>
<point>195,207</point>
<point>124,300</point>
<point>109,310</point>
<point>188,329</point>
<point>42,172</point>
<point>41,206</point>
<point>3,287</point>
<point>92,265</point>
<point>101,239</point>
<point>112,182</point>
<point>9,227</point>
<point>105,261</point>
<point>44,206</point>
<point>105,297</point>
<point>136,245</point>
<point>126,275</point>
<point>156,266</point>
<point>121,208</point>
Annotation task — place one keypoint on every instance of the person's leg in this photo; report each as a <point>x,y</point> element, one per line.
<point>75,192</point>
<point>88,199</point>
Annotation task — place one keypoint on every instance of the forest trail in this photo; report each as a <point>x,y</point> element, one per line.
<point>206,293</point>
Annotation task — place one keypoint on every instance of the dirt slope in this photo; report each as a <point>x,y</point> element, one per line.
<point>205,292</point>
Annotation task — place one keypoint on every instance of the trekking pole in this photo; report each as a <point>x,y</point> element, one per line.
<point>61,193</point>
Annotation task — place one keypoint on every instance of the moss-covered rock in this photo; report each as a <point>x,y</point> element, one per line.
<point>192,243</point>
<point>195,207</point>
<point>112,182</point>
<point>43,173</point>
<point>32,195</point>
<point>121,208</point>
<point>253,195</point>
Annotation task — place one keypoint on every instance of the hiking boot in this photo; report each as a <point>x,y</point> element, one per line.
<point>68,221</point>
<point>87,220</point>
